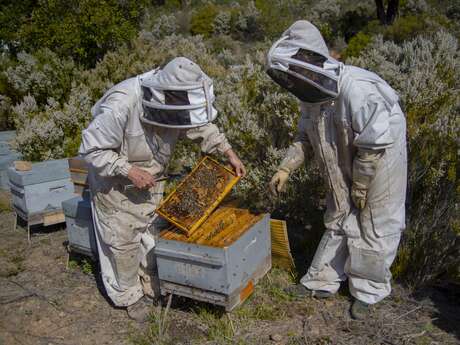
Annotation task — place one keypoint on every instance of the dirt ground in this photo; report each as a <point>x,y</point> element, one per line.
<point>44,300</point>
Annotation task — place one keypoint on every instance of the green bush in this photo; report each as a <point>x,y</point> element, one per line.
<point>405,28</point>
<point>84,29</point>
<point>203,19</point>
<point>356,45</point>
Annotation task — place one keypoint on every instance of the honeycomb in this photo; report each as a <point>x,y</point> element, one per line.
<point>188,206</point>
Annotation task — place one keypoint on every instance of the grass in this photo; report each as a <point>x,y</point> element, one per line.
<point>87,266</point>
<point>268,303</point>
<point>156,333</point>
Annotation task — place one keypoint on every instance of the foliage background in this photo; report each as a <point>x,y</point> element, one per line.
<point>57,59</point>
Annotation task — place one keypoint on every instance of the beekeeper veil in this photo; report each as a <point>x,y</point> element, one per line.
<point>300,63</point>
<point>180,95</point>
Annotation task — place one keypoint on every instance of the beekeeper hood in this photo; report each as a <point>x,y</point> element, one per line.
<point>178,96</point>
<point>300,63</point>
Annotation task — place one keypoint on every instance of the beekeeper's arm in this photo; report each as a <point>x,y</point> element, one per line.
<point>371,125</point>
<point>294,158</point>
<point>101,143</point>
<point>212,140</point>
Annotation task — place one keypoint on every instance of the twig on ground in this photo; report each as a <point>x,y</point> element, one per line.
<point>17,299</point>
<point>162,328</point>
<point>405,314</point>
<point>34,294</point>
<point>231,323</point>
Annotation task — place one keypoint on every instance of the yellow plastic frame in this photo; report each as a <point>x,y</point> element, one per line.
<point>209,210</point>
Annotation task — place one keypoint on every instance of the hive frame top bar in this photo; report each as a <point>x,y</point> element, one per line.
<point>191,228</point>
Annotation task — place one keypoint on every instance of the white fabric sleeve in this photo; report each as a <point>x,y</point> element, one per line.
<point>212,139</point>
<point>370,118</point>
<point>295,155</point>
<point>101,143</point>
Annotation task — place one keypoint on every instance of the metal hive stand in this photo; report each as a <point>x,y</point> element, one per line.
<point>51,217</point>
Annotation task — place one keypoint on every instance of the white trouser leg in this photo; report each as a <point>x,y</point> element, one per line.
<point>326,271</point>
<point>119,263</point>
<point>368,267</point>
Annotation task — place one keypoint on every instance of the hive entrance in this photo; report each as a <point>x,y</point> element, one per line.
<point>197,195</point>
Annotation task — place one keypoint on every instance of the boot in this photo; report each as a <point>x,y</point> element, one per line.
<point>359,310</point>
<point>140,310</point>
<point>301,291</point>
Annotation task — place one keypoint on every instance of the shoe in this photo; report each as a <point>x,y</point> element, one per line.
<point>301,291</point>
<point>140,310</point>
<point>359,310</point>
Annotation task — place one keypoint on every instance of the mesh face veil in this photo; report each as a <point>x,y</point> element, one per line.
<point>310,76</point>
<point>178,96</point>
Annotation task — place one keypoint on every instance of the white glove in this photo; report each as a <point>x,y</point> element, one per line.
<point>278,181</point>
<point>364,169</point>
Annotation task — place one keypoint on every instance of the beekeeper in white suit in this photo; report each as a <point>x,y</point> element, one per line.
<point>130,140</point>
<point>357,129</point>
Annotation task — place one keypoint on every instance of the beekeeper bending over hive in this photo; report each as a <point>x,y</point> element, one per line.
<point>353,120</point>
<point>130,140</point>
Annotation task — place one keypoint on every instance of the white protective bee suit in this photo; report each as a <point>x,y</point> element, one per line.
<point>137,123</point>
<point>357,129</point>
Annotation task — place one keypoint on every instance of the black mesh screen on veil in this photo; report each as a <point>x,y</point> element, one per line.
<point>300,88</point>
<point>169,117</point>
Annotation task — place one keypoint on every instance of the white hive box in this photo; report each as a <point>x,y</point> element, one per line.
<point>79,224</point>
<point>7,156</point>
<point>42,189</point>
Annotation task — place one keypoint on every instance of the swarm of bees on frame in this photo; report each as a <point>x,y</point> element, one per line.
<point>198,193</point>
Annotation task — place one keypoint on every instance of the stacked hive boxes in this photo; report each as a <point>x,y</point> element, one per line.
<point>7,156</point>
<point>79,225</point>
<point>42,189</point>
<point>77,211</point>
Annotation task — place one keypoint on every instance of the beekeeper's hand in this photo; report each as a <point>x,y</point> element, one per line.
<point>236,163</point>
<point>141,178</point>
<point>279,180</point>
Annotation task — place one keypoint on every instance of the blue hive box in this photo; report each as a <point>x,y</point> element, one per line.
<point>41,189</point>
<point>79,223</point>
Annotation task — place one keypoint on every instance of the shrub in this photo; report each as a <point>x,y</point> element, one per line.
<point>84,29</point>
<point>42,75</point>
<point>203,19</point>
<point>356,45</point>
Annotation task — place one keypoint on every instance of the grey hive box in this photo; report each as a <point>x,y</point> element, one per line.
<point>7,156</point>
<point>79,223</point>
<point>220,275</point>
<point>6,136</point>
<point>6,161</point>
<point>42,189</point>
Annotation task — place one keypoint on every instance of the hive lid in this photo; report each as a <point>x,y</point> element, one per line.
<point>77,207</point>
<point>7,136</point>
<point>41,172</point>
<point>198,194</point>
<point>4,148</point>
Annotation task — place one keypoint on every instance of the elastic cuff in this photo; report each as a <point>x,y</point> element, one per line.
<point>124,169</point>
<point>285,169</point>
<point>224,147</point>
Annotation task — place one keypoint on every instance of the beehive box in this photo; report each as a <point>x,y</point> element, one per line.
<point>220,262</point>
<point>79,174</point>
<point>7,136</point>
<point>7,156</point>
<point>6,161</point>
<point>79,224</point>
<point>41,189</point>
<point>188,206</point>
